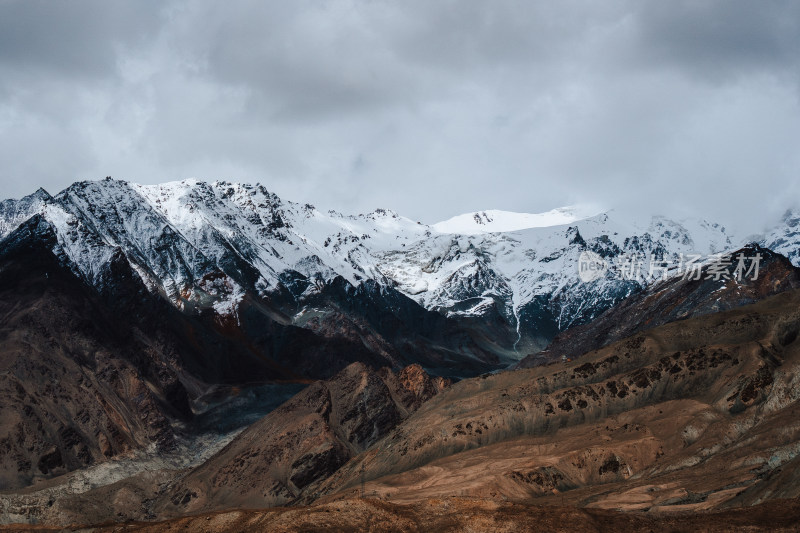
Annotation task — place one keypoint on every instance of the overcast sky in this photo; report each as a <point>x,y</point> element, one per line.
<point>431,107</point>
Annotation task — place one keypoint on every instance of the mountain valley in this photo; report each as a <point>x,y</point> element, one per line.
<point>188,349</point>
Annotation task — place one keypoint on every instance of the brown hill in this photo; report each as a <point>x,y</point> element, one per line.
<point>695,414</point>
<point>305,440</point>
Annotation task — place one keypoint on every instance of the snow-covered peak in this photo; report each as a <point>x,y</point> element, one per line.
<point>209,244</point>
<point>785,237</point>
<point>496,221</point>
<point>15,212</point>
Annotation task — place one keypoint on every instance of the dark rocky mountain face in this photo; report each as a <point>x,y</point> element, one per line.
<point>375,288</point>
<point>280,324</point>
<point>398,328</point>
<point>230,249</point>
<point>338,323</point>
<point>78,384</point>
<point>674,299</point>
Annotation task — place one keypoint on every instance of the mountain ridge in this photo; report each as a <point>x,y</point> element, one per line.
<point>210,245</point>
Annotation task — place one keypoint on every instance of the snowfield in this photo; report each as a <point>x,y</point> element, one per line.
<point>495,221</point>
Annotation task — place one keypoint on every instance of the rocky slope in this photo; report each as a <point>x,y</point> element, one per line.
<point>304,441</point>
<point>696,414</point>
<point>688,417</point>
<point>77,385</point>
<point>282,455</point>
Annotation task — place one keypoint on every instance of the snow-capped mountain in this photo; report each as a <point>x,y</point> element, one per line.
<point>15,212</point>
<point>531,275</point>
<point>512,276</point>
<point>785,238</point>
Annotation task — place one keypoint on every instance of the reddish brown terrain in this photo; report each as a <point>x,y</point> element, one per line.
<point>272,462</point>
<point>697,414</point>
<point>77,384</point>
<point>292,449</point>
<point>691,417</point>
<point>663,424</point>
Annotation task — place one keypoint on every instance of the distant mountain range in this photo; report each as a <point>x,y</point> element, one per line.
<point>508,279</point>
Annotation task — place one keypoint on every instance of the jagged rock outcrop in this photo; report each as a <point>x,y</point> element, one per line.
<point>292,449</point>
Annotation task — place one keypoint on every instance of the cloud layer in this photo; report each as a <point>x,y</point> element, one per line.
<point>428,108</point>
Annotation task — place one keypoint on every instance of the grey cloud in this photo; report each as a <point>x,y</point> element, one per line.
<point>77,38</point>
<point>296,61</point>
<point>717,39</point>
<point>429,108</point>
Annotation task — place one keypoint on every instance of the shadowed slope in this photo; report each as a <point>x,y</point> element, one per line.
<point>77,383</point>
